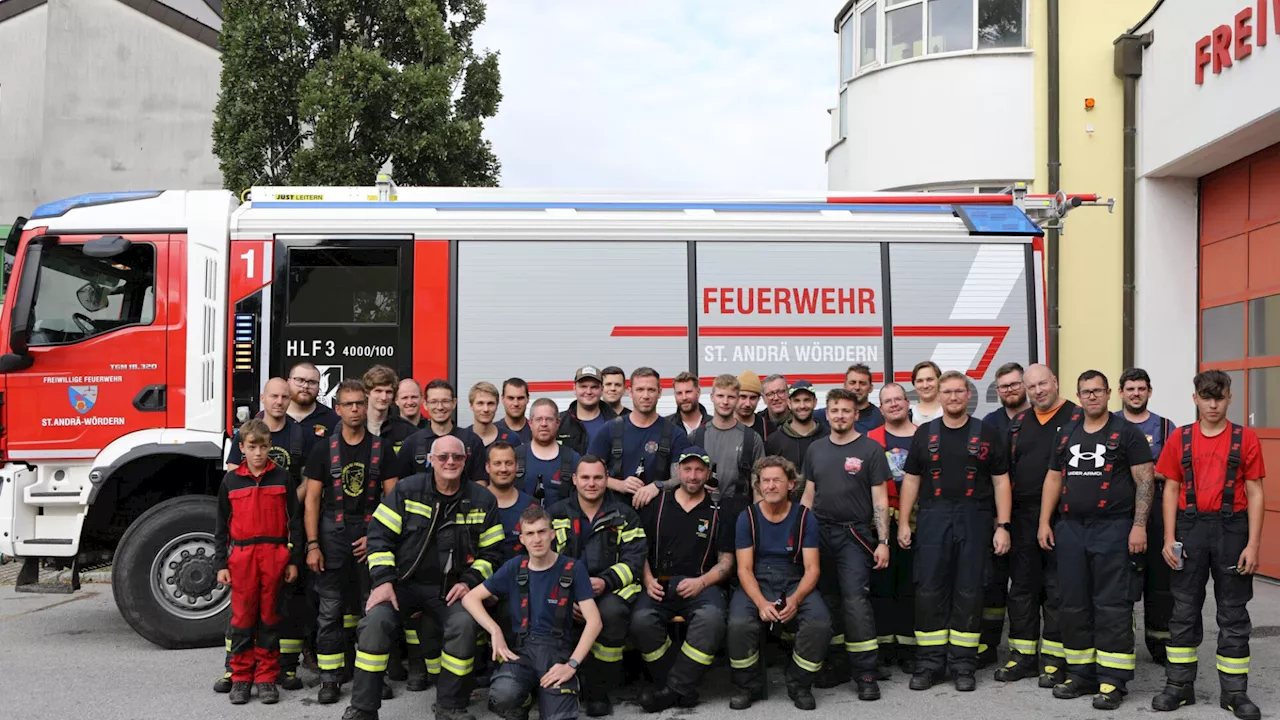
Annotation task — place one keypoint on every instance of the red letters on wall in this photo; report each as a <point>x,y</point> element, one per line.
<point>1235,42</point>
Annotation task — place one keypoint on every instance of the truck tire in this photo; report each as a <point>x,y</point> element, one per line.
<point>163,575</point>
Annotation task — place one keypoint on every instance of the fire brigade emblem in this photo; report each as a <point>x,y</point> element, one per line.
<point>321,430</point>
<point>651,447</point>
<point>279,456</point>
<point>852,464</point>
<point>330,379</point>
<point>353,479</point>
<point>82,397</point>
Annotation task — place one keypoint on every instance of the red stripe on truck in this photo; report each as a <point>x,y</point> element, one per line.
<point>431,310</point>
<point>547,386</point>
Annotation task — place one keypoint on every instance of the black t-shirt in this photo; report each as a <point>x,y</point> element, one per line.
<point>1029,460</point>
<point>1098,480</point>
<point>953,456</point>
<point>355,461</point>
<point>842,477</point>
<point>318,425</point>
<point>684,540</point>
<point>281,452</point>
<point>999,419</point>
<point>396,430</point>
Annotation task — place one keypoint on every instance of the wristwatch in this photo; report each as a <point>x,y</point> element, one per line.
<point>572,663</point>
<point>884,541</point>
<point>1004,526</point>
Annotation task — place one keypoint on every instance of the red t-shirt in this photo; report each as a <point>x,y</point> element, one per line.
<point>1209,460</point>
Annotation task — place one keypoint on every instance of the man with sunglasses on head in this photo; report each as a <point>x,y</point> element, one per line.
<point>433,538</point>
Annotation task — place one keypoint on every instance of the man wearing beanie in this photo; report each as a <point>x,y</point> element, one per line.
<point>749,389</point>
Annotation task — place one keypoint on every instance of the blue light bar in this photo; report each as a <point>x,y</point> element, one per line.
<point>997,220</point>
<point>60,207</point>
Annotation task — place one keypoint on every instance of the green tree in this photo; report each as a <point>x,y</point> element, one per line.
<point>328,92</point>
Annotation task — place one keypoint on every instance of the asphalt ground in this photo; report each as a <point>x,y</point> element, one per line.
<point>74,657</point>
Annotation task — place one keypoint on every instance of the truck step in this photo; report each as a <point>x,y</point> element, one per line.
<point>28,580</point>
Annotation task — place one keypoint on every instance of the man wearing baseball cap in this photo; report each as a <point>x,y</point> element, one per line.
<point>800,429</point>
<point>690,557</point>
<point>586,415</point>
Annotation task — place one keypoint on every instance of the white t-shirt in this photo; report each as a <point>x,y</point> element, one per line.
<point>920,418</point>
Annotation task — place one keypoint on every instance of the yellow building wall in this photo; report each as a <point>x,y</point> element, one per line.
<point>1091,142</point>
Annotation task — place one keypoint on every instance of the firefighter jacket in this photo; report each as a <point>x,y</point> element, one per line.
<point>468,540</point>
<point>573,434</point>
<point>259,510</point>
<point>613,546</point>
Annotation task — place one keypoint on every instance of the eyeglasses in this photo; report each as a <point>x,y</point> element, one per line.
<point>1094,392</point>
<point>543,420</point>
<point>449,457</point>
<point>1009,387</point>
<point>352,404</point>
<point>776,394</point>
<point>438,403</point>
<point>954,392</point>
<point>304,382</point>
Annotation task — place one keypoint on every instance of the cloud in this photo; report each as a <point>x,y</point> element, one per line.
<point>663,94</point>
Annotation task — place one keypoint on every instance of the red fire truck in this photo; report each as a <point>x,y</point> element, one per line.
<point>139,328</point>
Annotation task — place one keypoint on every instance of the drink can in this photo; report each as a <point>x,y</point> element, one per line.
<point>1177,553</point>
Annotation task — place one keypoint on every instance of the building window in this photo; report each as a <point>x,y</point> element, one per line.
<point>867,36</point>
<point>844,114</point>
<point>1222,333</point>
<point>1264,391</point>
<point>1001,24</point>
<point>1264,328</point>
<point>917,28</point>
<point>846,49</point>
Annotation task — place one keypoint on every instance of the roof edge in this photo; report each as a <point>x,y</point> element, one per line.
<point>184,24</point>
<point>14,8</point>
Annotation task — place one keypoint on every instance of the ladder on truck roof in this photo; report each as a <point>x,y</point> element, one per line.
<point>1046,211</point>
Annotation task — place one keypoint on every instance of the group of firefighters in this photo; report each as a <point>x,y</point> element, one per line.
<point>530,552</point>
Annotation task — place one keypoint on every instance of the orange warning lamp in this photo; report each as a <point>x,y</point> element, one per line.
<point>1088,103</point>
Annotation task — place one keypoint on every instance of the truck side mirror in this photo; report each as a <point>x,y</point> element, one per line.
<point>93,297</point>
<point>24,301</point>
<point>107,246</point>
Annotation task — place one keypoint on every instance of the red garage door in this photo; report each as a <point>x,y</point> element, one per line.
<point>1240,307</point>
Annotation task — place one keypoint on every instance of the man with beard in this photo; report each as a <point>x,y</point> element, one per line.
<point>775,404</point>
<point>689,411</point>
<point>286,451</point>
<point>690,556</point>
<point>544,468</point>
<point>857,380</point>
<point>512,499</point>
<point>409,402</point>
<point>845,476</point>
<point>441,402</point>
<point>345,479</point>
<point>381,382</point>
<point>613,383</point>
<point>733,449</point>
<point>1100,485</point>
<point>958,469</point>
<point>639,447</point>
<point>515,398</point>
<point>1157,600</point>
<point>1033,575</point>
<point>1013,397</point>
<point>317,419</point>
<point>586,416</point>
<point>892,589</point>
<point>749,390</point>
<point>799,430</point>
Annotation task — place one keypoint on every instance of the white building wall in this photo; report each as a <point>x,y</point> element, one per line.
<point>22,75</point>
<point>957,119</point>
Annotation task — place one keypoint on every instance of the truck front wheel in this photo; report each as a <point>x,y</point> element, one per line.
<point>164,579</point>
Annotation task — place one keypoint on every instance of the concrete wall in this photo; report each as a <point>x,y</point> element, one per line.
<point>22,74</point>
<point>109,99</point>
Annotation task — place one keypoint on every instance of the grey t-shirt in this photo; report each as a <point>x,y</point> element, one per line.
<point>842,476</point>
<point>724,447</point>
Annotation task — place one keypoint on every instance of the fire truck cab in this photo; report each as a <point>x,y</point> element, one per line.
<point>139,328</point>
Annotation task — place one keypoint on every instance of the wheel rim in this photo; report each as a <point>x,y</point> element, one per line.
<point>184,579</point>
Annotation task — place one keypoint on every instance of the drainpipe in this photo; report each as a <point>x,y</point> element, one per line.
<point>1055,182</point>
<point>1128,67</point>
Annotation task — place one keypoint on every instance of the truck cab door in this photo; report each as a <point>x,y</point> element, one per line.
<point>94,367</point>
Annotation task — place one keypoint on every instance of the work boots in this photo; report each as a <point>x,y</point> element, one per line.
<point>801,696</point>
<point>240,692</point>
<point>1240,704</point>
<point>657,700</point>
<point>1109,697</point>
<point>868,688</point>
<point>1174,696</point>
<point>744,698</point>
<point>223,684</point>
<point>451,713</point>
<point>924,679</point>
<point>353,713</point>
<point>1013,671</point>
<point>289,680</point>
<point>1052,676</point>
<point>1071,689</point>
<point>268,694</point>
<point>965,681</point>
<point>329,693</point>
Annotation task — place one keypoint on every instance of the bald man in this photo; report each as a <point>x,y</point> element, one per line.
<point>1033,583</point>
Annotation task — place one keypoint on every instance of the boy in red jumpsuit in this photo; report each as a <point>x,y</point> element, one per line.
<point>258,542</point>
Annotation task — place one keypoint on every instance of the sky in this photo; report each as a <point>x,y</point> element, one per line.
<point>705,95</point>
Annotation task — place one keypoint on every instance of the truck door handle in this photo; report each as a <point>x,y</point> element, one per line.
<point>151,398</point>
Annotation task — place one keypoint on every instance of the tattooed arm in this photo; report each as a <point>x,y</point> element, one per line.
<point>720,571</point>
<point>1144,477</point>
<point>880,510</point>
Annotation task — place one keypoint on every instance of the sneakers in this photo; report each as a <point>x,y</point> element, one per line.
<point>965,681</point>
<point>924,679</point>
<point>1240,704</point>
<point>1070,689</point>
<point>268,694</point>
<point>240,692</point>
<point>868,688</point>
<point>1109,697</point>
<point>1173,697</point>
<point>452,713</point>
<point>743,698</point>
<point>1052,676</point>
<point>801,697</point>
<point>223,684</point>
<point>329,693</point>
<point>1013,671</point>
<point>352,713</point>
<point>289,680</point>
